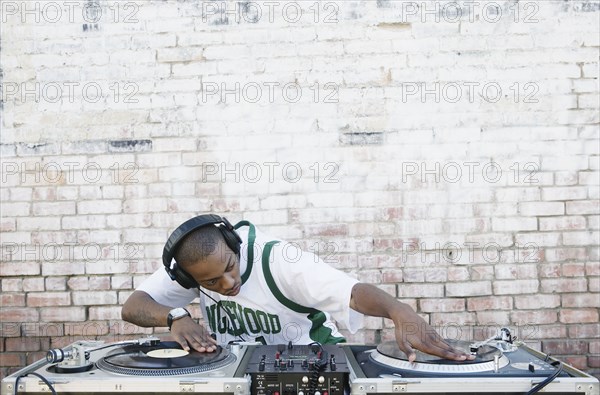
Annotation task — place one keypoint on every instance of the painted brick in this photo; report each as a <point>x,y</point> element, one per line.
<point>12,285</point>
<point>441,305</point>
<point>420,290</point>
<point>548,332</point>
<point>12,359</point>
<point>10,314</point>
<point>12,299</point>
<point>48,299</point>
<point>63,314</point>
<point>592,268</point>
<point>99,207</point>
<point>537,302</point>
<point>570,316</point>
<point>19,269</point>
<point>38,223</point>
<point>561,285</point>
<point>538,239</point>
<point>581,238</point>
<point>583,207</point>
<point>562,223</point>
<point>469,289</point>
<point>541,208</point>
<point>537,317</point>
<point>452,318</point>
<point>56,283</point>
<point>489,303</point>
<point>23,344</point>
<point>514,287</point>
<point>105,313</point>
<point>576,269</point>
<point>584,331</point>
<point>563,254</point>
<point>564,347</point>
<point>495,318</point>
<point>513,224</point>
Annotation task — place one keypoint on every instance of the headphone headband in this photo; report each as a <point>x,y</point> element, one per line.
<point>232,239</point>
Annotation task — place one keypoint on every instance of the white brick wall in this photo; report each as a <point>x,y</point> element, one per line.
<point>387,133</point>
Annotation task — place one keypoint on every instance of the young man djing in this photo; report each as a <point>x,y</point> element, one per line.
<point>255,288</point>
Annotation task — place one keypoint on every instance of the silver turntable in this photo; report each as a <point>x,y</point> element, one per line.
<point>501,366</point>
<point>139,366</point>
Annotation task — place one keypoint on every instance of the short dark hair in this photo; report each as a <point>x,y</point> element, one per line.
<point>198,245</point>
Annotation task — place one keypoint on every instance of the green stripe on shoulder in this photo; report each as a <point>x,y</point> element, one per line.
<point>273,287</point>
<point>251,239</point>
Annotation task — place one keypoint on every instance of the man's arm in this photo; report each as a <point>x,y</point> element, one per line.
<point>412,332</point>
<point>140,309</point>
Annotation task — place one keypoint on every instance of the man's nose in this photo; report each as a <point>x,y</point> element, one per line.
<point>228,282</point>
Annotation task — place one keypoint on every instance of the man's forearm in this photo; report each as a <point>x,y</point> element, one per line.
<point>140,309</point>
<point>370,300</point>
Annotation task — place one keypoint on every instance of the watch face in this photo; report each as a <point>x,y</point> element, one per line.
<point>178,312</point>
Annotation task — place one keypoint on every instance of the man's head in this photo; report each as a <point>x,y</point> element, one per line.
<point>205,250</point>
<point>205,256</point>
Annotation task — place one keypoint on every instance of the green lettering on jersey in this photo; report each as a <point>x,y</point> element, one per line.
<point>228,316</point>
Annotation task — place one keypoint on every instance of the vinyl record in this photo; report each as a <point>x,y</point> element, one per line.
<point>485,353</point>
<point>165,358</point>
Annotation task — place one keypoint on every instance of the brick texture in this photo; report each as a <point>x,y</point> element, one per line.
<point>453,163</point>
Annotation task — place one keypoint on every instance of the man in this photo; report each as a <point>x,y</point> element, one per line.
<point>256,288</point>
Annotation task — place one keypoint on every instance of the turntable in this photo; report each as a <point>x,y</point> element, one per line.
<point>501,366</point>
<point>139,366</point>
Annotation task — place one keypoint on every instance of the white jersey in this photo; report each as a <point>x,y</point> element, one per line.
<point>286,295</point>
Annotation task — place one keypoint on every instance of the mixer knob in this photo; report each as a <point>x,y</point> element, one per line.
<point>304,380</point>
<point>321,379</point>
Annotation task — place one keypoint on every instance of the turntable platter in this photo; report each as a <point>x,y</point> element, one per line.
<point>388,359</point>
<point>485,353</point>
<point>163,359</point>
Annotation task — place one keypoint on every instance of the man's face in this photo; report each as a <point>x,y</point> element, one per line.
<point>218,272</point>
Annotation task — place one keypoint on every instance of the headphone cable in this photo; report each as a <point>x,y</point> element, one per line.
<point>227,313</point>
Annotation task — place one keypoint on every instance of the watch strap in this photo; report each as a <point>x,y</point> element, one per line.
<point>170,318</point>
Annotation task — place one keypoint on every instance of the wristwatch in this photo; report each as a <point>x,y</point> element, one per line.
<point>176,314</point>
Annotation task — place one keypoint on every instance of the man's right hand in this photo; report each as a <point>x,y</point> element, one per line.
<point>192,335</point>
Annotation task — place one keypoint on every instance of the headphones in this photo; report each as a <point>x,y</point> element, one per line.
<point>232,239</point>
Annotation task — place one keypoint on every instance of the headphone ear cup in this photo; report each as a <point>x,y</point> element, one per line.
<point>232,240</point>
<point>183,278</point>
